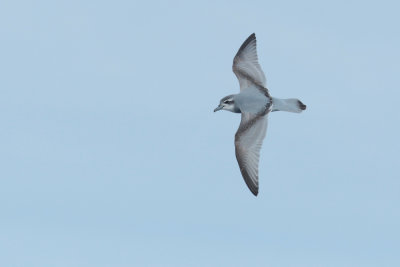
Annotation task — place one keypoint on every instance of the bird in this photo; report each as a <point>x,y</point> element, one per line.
<point>254,102</point>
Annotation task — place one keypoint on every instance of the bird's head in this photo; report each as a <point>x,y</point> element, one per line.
<point>227,103</point>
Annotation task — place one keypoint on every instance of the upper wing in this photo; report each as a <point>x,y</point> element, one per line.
<point>248,142</point>
<point>246,67</point>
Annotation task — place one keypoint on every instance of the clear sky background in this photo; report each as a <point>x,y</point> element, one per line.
<point>111,154</point>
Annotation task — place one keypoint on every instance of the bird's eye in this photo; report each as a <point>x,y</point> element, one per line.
<point>227,102</point>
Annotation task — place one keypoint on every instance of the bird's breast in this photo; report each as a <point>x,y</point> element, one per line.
<point>252,103</point>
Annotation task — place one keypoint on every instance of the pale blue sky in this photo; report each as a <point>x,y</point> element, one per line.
<point>111,154</point>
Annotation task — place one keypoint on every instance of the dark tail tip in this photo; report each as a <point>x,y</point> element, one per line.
<point>302,106</point>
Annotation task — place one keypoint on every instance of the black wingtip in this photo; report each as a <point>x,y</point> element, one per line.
<point>301,105</point>
<point>245,43</point>
<point>253,188</point>
<point>250,38</point>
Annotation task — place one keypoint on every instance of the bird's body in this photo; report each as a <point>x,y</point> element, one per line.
<point>254,103</point>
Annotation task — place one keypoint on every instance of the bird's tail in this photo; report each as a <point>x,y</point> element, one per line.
<point>290,105</point>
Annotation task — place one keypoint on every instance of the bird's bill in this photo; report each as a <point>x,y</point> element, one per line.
<point>218,108</point>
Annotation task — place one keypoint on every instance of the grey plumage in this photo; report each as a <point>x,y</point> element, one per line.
<point>254,103</point>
